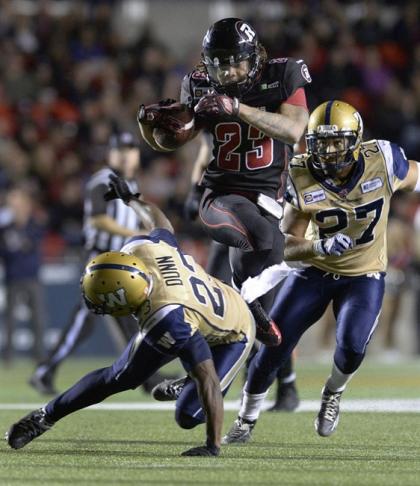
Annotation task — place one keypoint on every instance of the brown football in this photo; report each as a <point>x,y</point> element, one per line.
<point>166,136</point>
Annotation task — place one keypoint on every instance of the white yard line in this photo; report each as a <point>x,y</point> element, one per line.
<point>360,405</point>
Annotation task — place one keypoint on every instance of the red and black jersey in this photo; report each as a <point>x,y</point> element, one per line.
<point>244,159</point>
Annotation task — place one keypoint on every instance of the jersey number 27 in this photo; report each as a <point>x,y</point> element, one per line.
<point>340,215</point>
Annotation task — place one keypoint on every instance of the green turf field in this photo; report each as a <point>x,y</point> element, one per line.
<point>97,447</point>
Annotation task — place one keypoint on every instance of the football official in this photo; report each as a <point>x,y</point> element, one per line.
<point>107,225</point>
<point>340,190</point>
<point>182,312</point>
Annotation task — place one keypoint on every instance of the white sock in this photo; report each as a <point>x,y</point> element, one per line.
<point>338,380</point>
<point>251,405</point>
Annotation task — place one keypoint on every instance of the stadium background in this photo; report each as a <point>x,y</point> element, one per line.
<point>72,72</point>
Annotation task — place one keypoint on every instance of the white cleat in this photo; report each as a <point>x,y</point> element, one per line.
<point>329,413</point>
<point>240,432</point>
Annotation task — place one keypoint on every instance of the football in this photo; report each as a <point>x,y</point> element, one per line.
<point>176,128</point>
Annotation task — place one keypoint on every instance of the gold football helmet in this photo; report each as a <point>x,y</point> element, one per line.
<point>115,283</point>
<point>335,131</point>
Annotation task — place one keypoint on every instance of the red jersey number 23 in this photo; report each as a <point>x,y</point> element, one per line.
<point>229,138</point>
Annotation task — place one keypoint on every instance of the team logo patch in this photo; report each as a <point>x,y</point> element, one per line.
<point>371,185</point>
<point>314,196</point>
<point>305,73</point>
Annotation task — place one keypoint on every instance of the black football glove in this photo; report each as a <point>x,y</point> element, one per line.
<point>217,105</point>
<point>203,451</point>
<point>118,189</point>
<point>192,203</point>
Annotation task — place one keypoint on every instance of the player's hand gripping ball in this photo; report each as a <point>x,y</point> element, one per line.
<point>172,123</point>
<point>217,105</point>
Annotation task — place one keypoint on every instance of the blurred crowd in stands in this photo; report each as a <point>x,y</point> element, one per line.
<point>69,79</point>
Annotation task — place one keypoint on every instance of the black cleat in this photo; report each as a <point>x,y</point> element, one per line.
<point>240,432</point>
<point>43,383</point>
<point>266,329</point>
<point>329,413</point>
<point>151,383</point>
<point>287,399</point>
<point>27,429</point>
<point>168,390</point>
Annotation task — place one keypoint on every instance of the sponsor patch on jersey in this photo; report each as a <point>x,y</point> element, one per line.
<point>314,196</point>
<point>265,86</point>
<point>200,92</point>
<point>305,73</point>
<point>372,185</point>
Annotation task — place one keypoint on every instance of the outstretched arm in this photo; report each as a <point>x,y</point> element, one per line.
<point>208,387</point>
<point>151,216</point>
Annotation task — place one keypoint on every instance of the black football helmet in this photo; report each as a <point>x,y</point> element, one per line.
<point>232,43</point>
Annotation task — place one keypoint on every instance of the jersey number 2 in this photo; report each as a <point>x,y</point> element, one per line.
<point>229,136</point>
<point>204,294</point>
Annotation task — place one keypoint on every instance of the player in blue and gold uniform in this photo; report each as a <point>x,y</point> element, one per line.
<point>182,312</point>
<point>335,223</point>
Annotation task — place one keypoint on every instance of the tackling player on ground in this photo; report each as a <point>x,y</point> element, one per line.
<point>340,190</point>
<point>182,312</point>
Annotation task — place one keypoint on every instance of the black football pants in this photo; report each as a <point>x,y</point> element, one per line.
<point>254,237</point>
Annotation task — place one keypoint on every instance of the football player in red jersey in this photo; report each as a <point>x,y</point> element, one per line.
<point>255,109</point>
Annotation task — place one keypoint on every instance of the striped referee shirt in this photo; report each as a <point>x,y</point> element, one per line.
<point>95,204</point>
